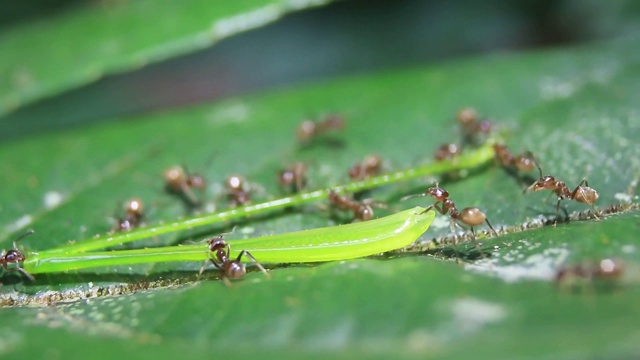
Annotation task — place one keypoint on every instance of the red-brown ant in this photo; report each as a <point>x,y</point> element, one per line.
<point>293,178</point>
<point>133,215</point>
<point>371,165</point>
<point>471,127</point>
<point>470,216</point>
<point>179,181</point>
<point>229,269</point>
<point>362,210</point>
<point>607,270</point>
<point>237,190</point>
<point>582,194</point>
<point>309,129</point>
<point>524,162</point>
<point>447,152</point>
<point>15,256</point>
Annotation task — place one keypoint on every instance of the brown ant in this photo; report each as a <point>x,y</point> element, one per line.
<point>370,166</point>
<point>293,178</point>
<point>237,191</point>
<point>583,194</point>
<point>607,270</point>
<point>309,130</point>
<point>15,256</point>
<point>515,165</point>
<point>229,269</point>
<point>180,181</point>
<point>471,127</point>
<point>470,216</point>
<point>362,210</point>
<point>133,215</point>
<point>447,152</point>
<point>524,162</point>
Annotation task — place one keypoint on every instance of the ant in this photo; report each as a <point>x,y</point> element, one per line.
<point>229,269</point>
<point>293,178</point>
<point>470,216</point>
<point>514,165</point>
<point>447,152</point>
<point>370,166</point>
<point>524,162</point>
<point>179,181</point>
<point>609,270</point>
<point>583,194</point>
<point>15,256</point>
<point>309,129</point>
<point>362,210</point>
<point>133,215</point>
<point>238,192</point>
<point>471,126</point>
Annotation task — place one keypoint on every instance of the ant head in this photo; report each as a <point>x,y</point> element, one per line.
<point>364,212</point>
<point>544,183</point>
<point>609,268</point>
<point>235,182</point>
<point>175,176</point>
<point>446,151</point>
<point>467,116</point>
<point>235,270</point>
<point>14,256</point>
<point>287,177</point>
<point>306,130</point>
<point>372,161</point>
<point>216,243</point>
<point>197,181</point>
<point>134,206</point>
<point>438,193</point>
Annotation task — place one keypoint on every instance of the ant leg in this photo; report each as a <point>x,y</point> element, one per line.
<point>491,227</point>
<point>186,190</point>
<point>25,273</point>
<point>254,261</point>
<point>555,221</point>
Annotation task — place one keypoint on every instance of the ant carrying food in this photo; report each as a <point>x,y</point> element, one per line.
<point>179,181</point>
<point>447,152</point>
<point>583,194</point>
<point>15,256</point>
<point>470,216</point>
<point>472,128</point>
<point>309,129</point>
<point>237,191</point>
<point>362,210</point>
<point>294,178</point>
<point>133,215</point>
<point>229,269</point>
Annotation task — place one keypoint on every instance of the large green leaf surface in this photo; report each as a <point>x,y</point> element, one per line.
<point>50,56</point>
<point>575,109</point>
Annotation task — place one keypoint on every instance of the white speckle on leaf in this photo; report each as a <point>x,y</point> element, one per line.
<point>52,199</point>
<point>21,223</point>
<point>622,197</point>
<point>236,112</point>
<point>470,315</point>
<point>537,267</point>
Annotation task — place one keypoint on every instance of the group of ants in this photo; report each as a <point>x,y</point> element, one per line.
<point>474,131</point>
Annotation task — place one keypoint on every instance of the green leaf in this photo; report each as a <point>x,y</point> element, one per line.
<point>575,109</point>
<point>47,57</point>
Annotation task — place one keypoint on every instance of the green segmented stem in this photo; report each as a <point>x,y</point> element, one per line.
<point>471,159</point>
<point>316,245</point>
